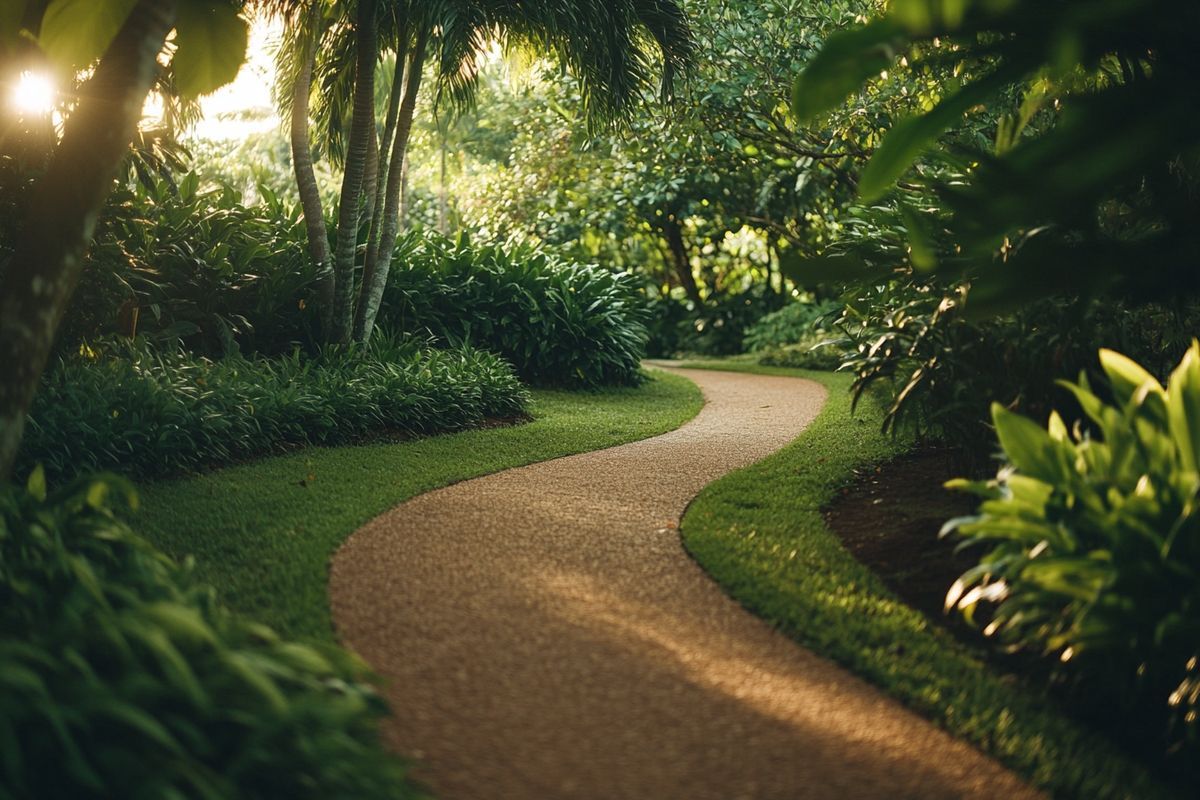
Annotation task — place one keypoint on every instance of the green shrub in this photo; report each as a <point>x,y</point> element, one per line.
<point>816,351</point>
<point>792,324</point>
<point>146,412</point>
<point>1094,540</point>
<point>943,367</point>
<point>556,322</point>
<point>201,268</point>
<point>122,677</point>
<point>716,328</point>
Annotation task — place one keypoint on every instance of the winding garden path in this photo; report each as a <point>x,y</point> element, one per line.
<point>544,635</point>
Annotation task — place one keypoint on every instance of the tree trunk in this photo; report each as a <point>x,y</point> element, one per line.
<point>443,191</point>
<point>362,127</point>
<point>373,292</point>
<point>370,182</point>
<point>306,179</point>
<point>682,263</point>
<point>385,154</point>
<point>38,282</point>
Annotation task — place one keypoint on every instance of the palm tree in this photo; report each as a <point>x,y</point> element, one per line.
<point>614,46</point>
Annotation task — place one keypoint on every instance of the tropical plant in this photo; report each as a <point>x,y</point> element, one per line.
<point>1093,540</point>
<point>819,351</point>
<point>556,322</point>
<point>123,677</point>
<point>791,324</point>
<point>611,47</point>
<point>120,43</point>
<point>194,264</point>
<point>1088,185</point>
<point>942,368</point>
<point>146,412</point>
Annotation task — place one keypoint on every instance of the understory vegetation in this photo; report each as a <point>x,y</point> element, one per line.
<point>125,676</point>
<point>148,413</point>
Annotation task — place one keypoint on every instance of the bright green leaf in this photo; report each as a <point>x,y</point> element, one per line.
<point>845,62</point>
<point>77,32</point>
<point>211,38</point>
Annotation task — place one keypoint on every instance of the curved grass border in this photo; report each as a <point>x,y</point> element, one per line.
<point>760,534</point>
<point>262,533</point>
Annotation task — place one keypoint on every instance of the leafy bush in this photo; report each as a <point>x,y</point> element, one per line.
<point>817,351</point>
<point>717,328</point>
<point>944,367</point>
<point>199,267</point>
<point>124,678</point>
<point>556,322</point>
<point>791,324</point>
<point>148,412</point>
<point>1095,540</point>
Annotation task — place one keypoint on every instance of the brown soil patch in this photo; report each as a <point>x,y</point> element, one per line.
<point>889,520</point>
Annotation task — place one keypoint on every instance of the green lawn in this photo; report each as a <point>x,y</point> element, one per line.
<point>760,533</point>
<point>262,533</point>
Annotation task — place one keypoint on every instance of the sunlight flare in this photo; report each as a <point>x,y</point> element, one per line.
<point>33,94</point>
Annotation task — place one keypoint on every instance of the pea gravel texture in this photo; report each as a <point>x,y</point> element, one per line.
<point>542,634</point>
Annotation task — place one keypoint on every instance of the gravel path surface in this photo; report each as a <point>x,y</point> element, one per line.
<point>544,635</point>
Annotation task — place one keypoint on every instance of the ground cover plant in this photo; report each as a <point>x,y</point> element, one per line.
<point>149,412</point>
<point>1090,551</point>
<point>264,531</point>
<point>760,533</point>
<point>123,676</point>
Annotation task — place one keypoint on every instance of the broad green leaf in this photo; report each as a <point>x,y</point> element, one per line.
<point>1183,408</point>
<point>912,135</point>
<point>845,62</point>
<point>1057,428</point>
<point>1027,445</point>
<point>1126,376</point>
<point>922,251</point>
<point>211,39</point>
<point>77,32</point>
<point>828,268</point>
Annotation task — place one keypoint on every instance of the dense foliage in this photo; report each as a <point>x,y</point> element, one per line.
<point>943,369</point>
<point>123,677</point>
<point>555,321</point>
<point>791,324</point>
<point>148,412</point>
<point>194,264</point>
<point>1094,541</point>
<point>1099,197</point>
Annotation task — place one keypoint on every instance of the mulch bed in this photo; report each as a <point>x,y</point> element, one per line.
<point>889,520</point>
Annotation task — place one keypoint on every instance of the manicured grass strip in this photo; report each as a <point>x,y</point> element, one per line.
<point>760,533</point>
<point>262,533</point>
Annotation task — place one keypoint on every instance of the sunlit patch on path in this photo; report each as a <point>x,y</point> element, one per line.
<point>543,634</point>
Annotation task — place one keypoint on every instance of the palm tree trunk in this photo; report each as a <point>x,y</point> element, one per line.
<point>370,180</point>
<point>362,127</point>
<point>373,292</point>
<point>37,284</point>
<point>389,132</point>
<point>306,179</point>
<point>385,150</point>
